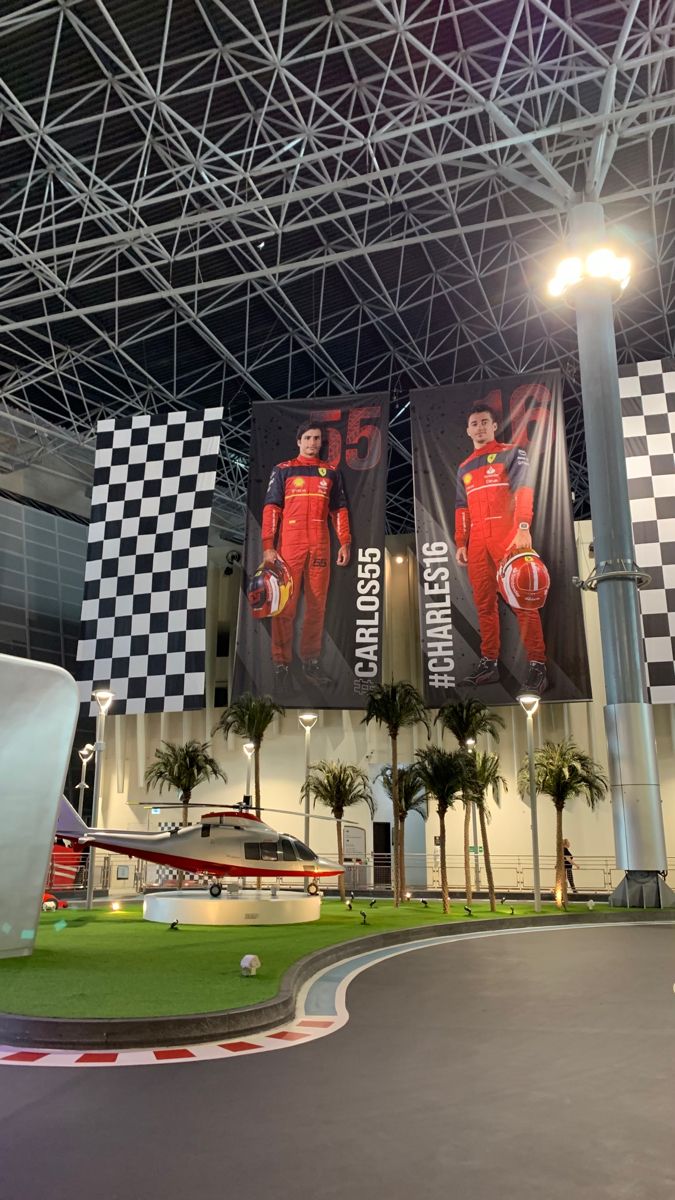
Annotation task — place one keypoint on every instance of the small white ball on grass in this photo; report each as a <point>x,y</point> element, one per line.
<point>249,964</point>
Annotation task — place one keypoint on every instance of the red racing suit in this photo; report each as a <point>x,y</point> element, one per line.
<point>301,495</point>
<point>493,497</point>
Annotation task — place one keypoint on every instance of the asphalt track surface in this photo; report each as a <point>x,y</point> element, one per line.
<point>530,1064</point>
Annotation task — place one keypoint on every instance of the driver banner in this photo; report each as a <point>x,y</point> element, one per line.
<point>499,612</point>
<point>309,631</point>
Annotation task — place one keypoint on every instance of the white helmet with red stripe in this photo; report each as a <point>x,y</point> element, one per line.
<point>523,580</point>
<point>270,589</point>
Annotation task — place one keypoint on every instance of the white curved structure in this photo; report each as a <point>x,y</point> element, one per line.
<point>248,908</point>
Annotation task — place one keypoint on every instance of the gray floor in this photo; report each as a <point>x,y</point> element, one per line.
<point>526,1065</point>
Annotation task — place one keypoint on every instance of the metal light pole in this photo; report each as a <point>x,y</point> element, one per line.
<point>592,279</point>
<point>307,720</point>
<point>249,750</point>
<point>85,758</point>
<point>104,699</point>
<point>471,747</point>
<point>529,702</point>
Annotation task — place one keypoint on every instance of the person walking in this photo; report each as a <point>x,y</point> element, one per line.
<point>569,865</point>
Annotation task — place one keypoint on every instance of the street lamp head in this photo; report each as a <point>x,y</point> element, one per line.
<point>529,702</point>
<point>308,719</point>
<point>86,752</point>
<point>248,748</point>
<point>104,698</point>
<point>602,263</point>
<point>470,742</point>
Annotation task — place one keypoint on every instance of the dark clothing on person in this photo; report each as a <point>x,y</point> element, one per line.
<point>569,871</point>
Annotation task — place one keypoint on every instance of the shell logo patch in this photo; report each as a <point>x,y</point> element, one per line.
<point>467,478</point>
<point>298,482</point>
<point>322,470</point>
<point>491,458</point>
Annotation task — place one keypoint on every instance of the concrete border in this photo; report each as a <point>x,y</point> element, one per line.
<point>129,1033</point>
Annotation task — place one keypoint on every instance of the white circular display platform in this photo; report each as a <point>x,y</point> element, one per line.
<point>248,908</point>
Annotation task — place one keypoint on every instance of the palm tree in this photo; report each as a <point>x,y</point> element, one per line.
<point>443,775</point>
<point>395,705</point>
<point>466,720</point>
<point>486,775</point>
<point>183,767</point>
<point>411,798</point>
<point>561,772</point>
<point>249,717</point>
<point>338,786</point>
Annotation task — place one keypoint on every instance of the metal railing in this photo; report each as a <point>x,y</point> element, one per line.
<point>512,874</point>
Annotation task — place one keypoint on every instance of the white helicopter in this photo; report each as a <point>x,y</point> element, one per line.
<point>232,842</point>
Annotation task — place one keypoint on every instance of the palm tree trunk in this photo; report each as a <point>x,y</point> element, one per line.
<point>341,859</point>
<point>256,794</point>
<point>185,820</point>
<point>444,869</point>
<point>467,857</point>
<point>395,822</point>
<point>486,859</point>
<point>560,877</point>
<point>401,857</point>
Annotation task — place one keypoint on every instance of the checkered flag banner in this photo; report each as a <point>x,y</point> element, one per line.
<point>647,392</point>
<point>143,631</point>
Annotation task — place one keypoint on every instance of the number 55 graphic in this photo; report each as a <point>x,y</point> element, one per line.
<point>361,428</point>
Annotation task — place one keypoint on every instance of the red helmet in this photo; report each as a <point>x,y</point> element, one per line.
<point>270,589</point>
<point>523,580</point>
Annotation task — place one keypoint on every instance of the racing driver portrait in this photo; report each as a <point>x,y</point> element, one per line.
<point>493,516</point>
<point>305,495</point>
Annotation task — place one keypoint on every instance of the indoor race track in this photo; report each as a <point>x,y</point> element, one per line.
<point>527,1064</point>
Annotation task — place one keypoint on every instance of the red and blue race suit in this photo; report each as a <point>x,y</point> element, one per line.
<point>493,498</point>
<point>301,495</point>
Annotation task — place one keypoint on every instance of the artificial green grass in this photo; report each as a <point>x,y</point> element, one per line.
<point>115,964</point>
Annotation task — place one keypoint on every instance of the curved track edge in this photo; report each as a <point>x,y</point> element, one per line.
<point>63,1033</point>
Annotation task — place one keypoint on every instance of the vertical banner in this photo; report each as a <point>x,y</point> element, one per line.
<point>647,392</point>
<point>499,613</point>
<point>310,614</point>
<point>144,608</point>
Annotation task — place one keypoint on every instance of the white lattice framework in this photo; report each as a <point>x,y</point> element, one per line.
<point>206,202</point>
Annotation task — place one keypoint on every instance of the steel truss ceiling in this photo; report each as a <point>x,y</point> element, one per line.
<point>205,201</point>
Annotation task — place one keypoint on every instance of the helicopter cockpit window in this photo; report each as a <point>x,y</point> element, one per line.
<point>286,850</point>
<point>268,851</point>
<point>304,851</point>
<point>252,850</point>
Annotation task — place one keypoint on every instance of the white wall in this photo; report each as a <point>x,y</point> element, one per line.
<point>341,735</point>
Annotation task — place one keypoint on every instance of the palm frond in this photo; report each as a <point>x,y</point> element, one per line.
<point>411,793</point>
<point>249,717</point>
<point>338,786</point>
<point>442,773</point>
<point>396,705</point>
<point>183,766</point>
<point>466,719</point>
<point>562,771</point>
<point>487,776</point>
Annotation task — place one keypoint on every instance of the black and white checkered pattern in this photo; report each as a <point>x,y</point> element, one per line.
<point>164,874</point>
<point>144,608</point>
<point>647,392</point>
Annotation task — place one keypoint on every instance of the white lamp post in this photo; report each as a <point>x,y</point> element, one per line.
<point>529,702</point>
<point>104,698</point>
<point>86,754</point>
<point>471,747</point>
<point>307,720</point>
<point>249,750</point>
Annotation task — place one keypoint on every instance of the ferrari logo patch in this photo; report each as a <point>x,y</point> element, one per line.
<point>322,470</point>
<point>491,458</point>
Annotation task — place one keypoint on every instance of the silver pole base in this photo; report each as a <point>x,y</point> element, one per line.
<point>642,889</point>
